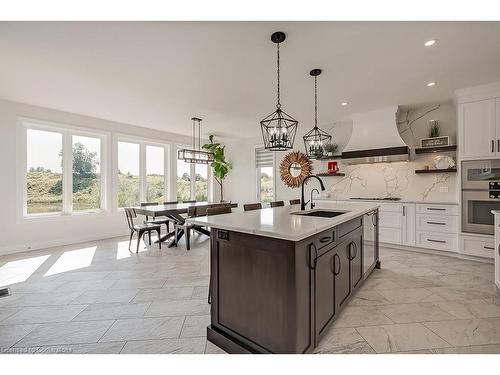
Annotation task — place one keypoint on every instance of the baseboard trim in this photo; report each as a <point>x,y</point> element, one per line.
<point>7,250</point>
<point>437,252</point>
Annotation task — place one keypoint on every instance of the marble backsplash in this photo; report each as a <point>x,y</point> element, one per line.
<point>394,180</point>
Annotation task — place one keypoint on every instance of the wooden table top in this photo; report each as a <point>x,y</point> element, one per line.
<point>180,208</point>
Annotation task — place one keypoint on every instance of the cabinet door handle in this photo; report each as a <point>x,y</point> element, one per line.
<point>499,250</point>
<point>336,260</point>
<point>492,145</point>
<point>489,248</point>
<point>439,241</point>
<point>352,245</point>
<point>325,239</point>
<point>404,210</point>
<point>498,145</point>
<point>435,223</point>
<point>435,209</point>
<point>315,261</point>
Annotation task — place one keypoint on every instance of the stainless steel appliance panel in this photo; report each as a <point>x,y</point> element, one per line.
<point>476,210</point>
<point>477,174</point>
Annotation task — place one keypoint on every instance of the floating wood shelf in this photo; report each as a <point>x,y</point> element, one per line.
<point>333,157</point>
<point>428,150</point>
<point>447,170</point>
<point>331,174</point>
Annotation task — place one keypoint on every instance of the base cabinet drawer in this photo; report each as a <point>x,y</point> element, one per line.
<point>437,209</point>
<point>437,223</point>
<point>438,241</point>
<point>478,246</point>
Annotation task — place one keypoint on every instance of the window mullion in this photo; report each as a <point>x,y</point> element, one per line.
<point>67,168</point>
<point>142,174</point>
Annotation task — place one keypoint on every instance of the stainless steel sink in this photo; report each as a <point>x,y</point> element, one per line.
<point>320,213</point>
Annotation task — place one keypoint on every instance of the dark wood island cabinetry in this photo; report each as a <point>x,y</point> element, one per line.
<point>273,295</point>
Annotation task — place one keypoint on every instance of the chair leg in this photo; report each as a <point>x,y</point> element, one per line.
<point>139,236</point>
<point>149,236</point>
<point>175,236</point>
<point>159,235</point>
<point>130,239</point>
<point>188,235</point>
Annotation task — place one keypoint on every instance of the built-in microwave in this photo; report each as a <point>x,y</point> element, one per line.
<point>480,195</point>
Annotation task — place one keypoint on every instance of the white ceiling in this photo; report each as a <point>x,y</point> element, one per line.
<point>160,74</point>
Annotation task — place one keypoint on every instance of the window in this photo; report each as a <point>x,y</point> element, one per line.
<point>129,184</point>
<point>155,174</point>
<point>183,180</point>
<point>264,164</point>
<point>86,173</point>
<point>63,169</point>
<point>44,177</point>
<point>201,182</point>
<point>192,181</point>
<point>142,173</point>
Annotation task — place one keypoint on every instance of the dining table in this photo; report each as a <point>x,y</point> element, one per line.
<point>173,212</point>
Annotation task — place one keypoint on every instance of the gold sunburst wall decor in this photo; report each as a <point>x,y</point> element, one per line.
<point>294,167</point>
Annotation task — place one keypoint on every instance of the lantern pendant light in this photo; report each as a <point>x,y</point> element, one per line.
<point>316,139</point>
<point>279,128</point>
<point>195,155</point>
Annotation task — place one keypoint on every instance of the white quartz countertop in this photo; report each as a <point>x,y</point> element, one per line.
<point>381,201</point>
<point>280,222</point>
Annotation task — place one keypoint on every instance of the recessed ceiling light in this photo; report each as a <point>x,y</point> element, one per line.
<point>430,42</point>
<point>343,104</point>
<point>430,84</point>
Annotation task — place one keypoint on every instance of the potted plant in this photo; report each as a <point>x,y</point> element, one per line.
<point>331,148</point>
<point>220,166</point>
<point>434,130</point>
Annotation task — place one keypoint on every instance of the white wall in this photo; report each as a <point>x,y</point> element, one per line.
<point>18,234</point>
<point>368,180</point>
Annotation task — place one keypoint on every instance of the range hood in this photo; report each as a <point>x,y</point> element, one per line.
<point>375,138</point>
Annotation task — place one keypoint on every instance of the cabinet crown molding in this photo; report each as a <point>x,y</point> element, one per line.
<point>476,93</point>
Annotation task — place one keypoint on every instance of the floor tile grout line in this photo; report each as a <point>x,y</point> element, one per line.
<point>104,334</point>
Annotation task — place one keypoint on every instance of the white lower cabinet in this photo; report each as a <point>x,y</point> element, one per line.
<point>390,220</point>
<point>477,246</point>
<point>438,241</point>
<point>408,224</point>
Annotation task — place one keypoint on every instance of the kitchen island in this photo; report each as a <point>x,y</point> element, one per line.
<point>280,276</point>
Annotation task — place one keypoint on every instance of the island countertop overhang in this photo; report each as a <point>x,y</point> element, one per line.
<point>282,223</point>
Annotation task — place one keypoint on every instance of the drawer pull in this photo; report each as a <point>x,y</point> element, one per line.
<point>489,248</point>
<point>325,239</point>
<point>435,223</point>
<point>315,261</point>
<point>499,250</point>
<point>336,260</point>
<point>439,241</point>
<point>435,209</point>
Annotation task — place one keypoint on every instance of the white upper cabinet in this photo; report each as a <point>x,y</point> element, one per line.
<point>478,133</point>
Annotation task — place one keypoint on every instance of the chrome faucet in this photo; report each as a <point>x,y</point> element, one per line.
<point>311,200</point>
<point>302,199</point>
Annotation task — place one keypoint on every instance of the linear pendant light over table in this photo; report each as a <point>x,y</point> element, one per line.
<point>195,155</point>
<point>279,128</point>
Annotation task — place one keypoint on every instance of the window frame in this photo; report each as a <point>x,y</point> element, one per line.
<point>257,174</point>
<point>67,132</point>
<point>192,173</point>
<point>143,143</point>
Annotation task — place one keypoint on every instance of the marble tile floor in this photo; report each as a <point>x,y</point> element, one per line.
<point>99,298</point>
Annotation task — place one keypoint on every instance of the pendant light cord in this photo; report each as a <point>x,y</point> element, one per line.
<point>315,101</point>
<point>278,65</point>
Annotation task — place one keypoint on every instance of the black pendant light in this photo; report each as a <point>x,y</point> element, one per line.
<point>279,128</point>
<point>316,139</point>
<point>195,155</point>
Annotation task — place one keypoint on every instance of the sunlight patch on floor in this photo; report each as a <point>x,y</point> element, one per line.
<point>19,270</point>
<point>72,260</point>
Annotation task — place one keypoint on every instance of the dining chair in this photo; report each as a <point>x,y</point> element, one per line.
<point>140,229</point>
<point>160,221</point>
<point>219,210</point>
<point>294,201</point>
<point>252,206</point>
<point>185,226</point>
<point>277,204</point>
<point>172,202</point>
